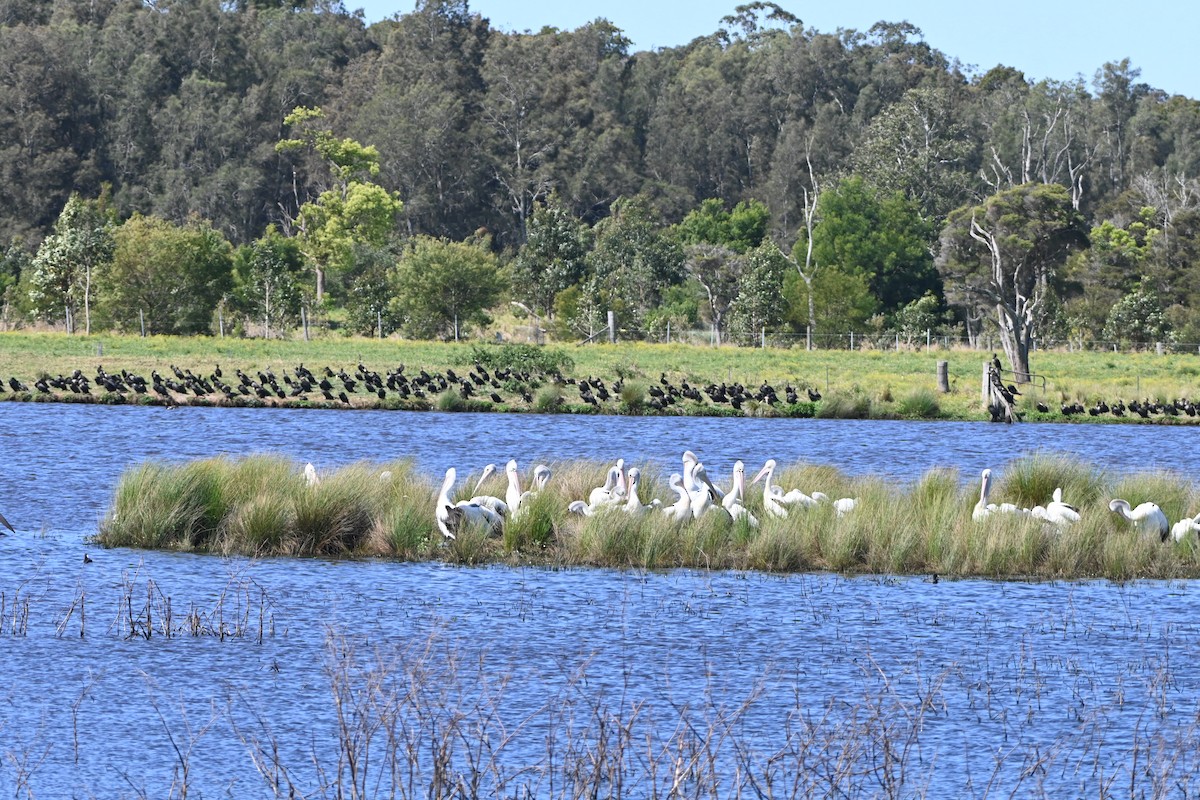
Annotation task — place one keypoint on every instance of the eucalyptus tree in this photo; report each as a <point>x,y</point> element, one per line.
<point>418,96</point>
<point>352,211</point>
<point>553,257</point>
<point>1006,252</point>
<point>920,146</point>
<point>65,268</point>
<point>266,280</point>
<point>48,126</point>
<point>633,260</point>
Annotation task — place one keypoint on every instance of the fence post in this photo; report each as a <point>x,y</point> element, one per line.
<point>943,375</point>
<point>668,331</point>
<point>928,340</point>
<point>897,341</point>
<point>304,321</point>
<point>142,319</point>
<point>808,336</point>
<point>763,340</point>
<point>986,395</point>
<point>851,341</point>
<point>456,326</point>
<point>612,327</point>
<point>379,322</point>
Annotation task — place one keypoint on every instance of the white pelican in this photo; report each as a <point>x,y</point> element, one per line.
<point>633,505</point>
<point>681,509</point>
<point>512,495</point>
<point>488,501</point>
<point>622,485</point>
<point>1179,530</point>
<point>733,501</point>
<point>452,516</point>
<point>1056,512</point>
<point>606,494</point>
<point>693,481</point>
<point>385,476</point>
<point>1147,519</point>
<point>775,501</point>
<point>983,508</point>
<point>310,474</point>
<point>582,508</point>
<point>844,505</point>
<point>6,524</point>
<point>541,477</point>
<point>704,493</point>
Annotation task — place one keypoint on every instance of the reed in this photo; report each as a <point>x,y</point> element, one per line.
<point>262,505</point>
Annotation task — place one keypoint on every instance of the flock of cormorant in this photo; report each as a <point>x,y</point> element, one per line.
<point>363,386</point>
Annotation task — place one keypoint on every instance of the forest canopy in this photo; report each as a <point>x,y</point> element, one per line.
<point>314,159</point>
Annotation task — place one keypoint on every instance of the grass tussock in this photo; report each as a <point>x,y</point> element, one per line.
<point>263,505</point>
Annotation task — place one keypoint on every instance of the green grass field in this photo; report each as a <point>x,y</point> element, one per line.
<point>882,384</point>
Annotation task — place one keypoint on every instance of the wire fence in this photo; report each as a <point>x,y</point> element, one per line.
<point>863,340</point>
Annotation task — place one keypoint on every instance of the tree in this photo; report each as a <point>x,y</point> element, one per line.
<point>718,270</point>
<point>1006,251</point>
<point>741,229</point>
<point>759,304</point>
<point>920,147</point>
<point>174,276</point>
<point>354,210</point>
<point>633,260</point>
<point>885,240</point>
<point>442,286</point>
<point>1137,318</point>
<point>67,261</point>
<point>552,258</point>
<point>266,280</point>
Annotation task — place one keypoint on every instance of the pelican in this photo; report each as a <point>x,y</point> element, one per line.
<point>775,501</point>
<point>982,509</point>
<point>6,524</point>
<point>703,494</point>
<point>681,509</point>
<point>622,485</point>
<point>692,481</point>
<point>495,504</point>
<point>1057,513</point>
<point>452,516</point>
<point>310,474</point>
<point>581,508</point>
<point>606,494</point>
<point>541,477</point>
<point>1179,530</point>
<point>732,502</point>
<point>844,505</point>
<point>1147,519</point>
<point>633,506</point>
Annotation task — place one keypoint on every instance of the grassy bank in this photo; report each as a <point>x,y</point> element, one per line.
<point>263,506</point>
<point>864,384</point>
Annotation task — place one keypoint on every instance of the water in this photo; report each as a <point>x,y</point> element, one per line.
<point>1043,689</point>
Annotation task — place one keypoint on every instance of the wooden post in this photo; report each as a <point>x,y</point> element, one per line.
<point>943,376</point>
<point>986,395</point>
<point>763,340</point>
<point>808,337</point>
<point>142,319</point>
<point>304,321</point>
<point>612,327</point>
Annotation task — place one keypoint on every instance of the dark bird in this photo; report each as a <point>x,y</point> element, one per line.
<point>87,559</point>
<point>814,395</point>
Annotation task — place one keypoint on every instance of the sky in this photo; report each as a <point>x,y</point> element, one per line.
<point>1046,39</point>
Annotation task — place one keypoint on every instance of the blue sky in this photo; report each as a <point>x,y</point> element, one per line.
<point>1046,39</point>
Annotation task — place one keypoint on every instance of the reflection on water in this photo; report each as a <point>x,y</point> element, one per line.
<point>1049,689</point>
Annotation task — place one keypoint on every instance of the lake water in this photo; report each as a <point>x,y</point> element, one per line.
<point>537,681</point>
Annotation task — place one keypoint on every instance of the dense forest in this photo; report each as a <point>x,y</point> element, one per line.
<point>166,161</point>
